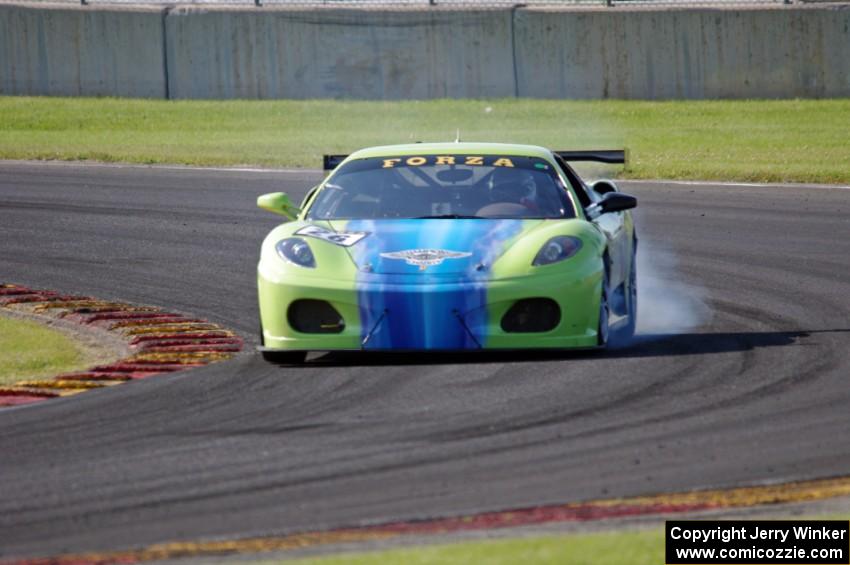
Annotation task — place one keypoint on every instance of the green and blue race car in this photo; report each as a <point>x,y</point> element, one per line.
<point>449,246</point>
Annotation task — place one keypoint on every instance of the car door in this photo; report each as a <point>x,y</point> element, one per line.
<point>615,226</point>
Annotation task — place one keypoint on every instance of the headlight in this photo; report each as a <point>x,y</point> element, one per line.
<point>557,249</point>
<point>296,250</point>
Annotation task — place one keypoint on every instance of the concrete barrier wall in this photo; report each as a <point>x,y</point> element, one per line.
<point>81,51</point>
<point>720,53</point>
<point>198,52</point>
<point>272,53</point>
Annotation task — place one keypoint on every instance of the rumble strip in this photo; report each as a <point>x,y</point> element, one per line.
<point>659,506</point>
<point>160,342</point>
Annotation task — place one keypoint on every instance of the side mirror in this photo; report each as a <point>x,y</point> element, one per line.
<point>617,202</point>
<point>279,203</point>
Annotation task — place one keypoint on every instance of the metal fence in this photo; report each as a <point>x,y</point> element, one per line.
<point>475,4</point>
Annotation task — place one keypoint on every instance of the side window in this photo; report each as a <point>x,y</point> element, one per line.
<point>578,186</point>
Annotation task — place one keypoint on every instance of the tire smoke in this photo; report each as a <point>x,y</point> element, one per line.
<point>666,303</point>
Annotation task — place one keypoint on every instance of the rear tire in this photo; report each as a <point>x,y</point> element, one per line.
<point>627,332</point>
<point>603,329</point>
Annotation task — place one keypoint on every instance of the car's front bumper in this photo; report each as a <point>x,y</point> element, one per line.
<point>464,315</point>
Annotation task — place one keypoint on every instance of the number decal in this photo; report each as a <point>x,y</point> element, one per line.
<point>342,238</point>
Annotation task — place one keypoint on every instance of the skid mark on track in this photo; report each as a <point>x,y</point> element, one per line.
<point>660,505</point>
<point>161,342</point>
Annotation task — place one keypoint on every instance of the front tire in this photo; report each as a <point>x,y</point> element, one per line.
<point>285,357</point>
<point>281,357</point>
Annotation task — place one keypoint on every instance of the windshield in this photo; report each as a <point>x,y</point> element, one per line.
<point>443,186</point>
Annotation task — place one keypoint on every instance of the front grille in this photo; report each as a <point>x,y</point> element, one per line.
<point>315,317</point>
<point>532,315</point>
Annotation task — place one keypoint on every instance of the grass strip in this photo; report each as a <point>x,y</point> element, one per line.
<point>751,140</point>
<point>633,546</point>
<point>29,350</point>
<point>636,547</point>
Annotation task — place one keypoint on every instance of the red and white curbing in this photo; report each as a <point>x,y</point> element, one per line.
<point>160,342</point>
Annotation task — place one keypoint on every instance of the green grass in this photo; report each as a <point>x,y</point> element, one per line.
<point>642,547</point>
<point>761,140</point>
<point>635,547</point>
<point>31,350</point>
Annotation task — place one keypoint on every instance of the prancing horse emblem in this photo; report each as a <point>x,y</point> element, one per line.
<point>424,258</point>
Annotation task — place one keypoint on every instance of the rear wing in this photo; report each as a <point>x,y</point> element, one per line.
<point>617,156</point>
<point>330,162</point>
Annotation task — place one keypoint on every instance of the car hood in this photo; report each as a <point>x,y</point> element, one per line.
<point>431,246</point>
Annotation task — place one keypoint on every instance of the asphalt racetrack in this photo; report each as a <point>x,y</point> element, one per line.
<point>745,380</point>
